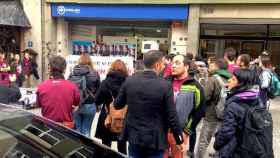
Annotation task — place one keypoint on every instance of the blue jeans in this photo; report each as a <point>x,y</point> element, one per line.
<point>83,118</point>
<point>136,151</point>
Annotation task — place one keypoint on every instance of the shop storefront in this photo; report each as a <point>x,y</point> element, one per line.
<point>251,39</point>
<point>107,38</point>
<point>9,39</point>
<point>250,28</point>
<point>117,31</point>
<point>12,22</point>
<point>106,30</point>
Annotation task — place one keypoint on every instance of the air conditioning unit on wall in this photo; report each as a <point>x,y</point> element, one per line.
<point>149,45</point>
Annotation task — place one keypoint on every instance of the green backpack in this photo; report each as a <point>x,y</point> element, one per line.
<point>274,88</point>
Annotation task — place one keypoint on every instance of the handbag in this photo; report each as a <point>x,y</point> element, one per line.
<point>115,118</point>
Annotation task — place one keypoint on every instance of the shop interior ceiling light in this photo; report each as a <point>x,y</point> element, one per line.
<point>158,30</point>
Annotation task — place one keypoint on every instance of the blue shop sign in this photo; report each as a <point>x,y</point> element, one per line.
<point>129,12</point>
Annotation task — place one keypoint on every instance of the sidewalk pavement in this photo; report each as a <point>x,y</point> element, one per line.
<point>274,109</point>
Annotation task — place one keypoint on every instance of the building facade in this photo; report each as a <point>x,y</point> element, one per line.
<point>92,26</point>
<point>131,22</point>
<point>32,38</point>
<point>20,27</point>
<point>13,22</point>
<point>249,26</point>
<point>197,26</point>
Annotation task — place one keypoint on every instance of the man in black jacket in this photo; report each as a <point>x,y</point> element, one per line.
<point>151,110</point>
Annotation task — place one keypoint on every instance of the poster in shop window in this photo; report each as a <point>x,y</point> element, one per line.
<point>103,49</point>
<point>101,64</point>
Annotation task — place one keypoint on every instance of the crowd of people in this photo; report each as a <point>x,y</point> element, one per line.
<point>18,69</point>
<point>166,98</point>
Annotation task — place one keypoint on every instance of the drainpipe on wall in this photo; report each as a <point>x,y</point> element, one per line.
<point>43,39</point>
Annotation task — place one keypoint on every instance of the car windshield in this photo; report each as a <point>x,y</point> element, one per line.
<point>25,135</point>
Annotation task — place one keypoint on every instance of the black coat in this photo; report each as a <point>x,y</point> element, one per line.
<point>151,111</point>
<point>34,69</point>
<point>227,137</point>
<point>9,94</point>
<point>110,85</point>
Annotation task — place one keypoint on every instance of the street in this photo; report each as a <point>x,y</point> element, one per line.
<point>43,42</point>
<point>274,108</point>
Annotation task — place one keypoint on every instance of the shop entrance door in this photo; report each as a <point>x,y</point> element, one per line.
<point>9,39</point>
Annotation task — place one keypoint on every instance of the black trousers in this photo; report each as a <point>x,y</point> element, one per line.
<point>121,145</point>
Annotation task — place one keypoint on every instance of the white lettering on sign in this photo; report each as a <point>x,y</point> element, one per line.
<point>100,63</point>
<point>61,10</point>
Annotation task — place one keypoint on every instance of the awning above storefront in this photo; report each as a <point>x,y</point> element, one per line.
<point>231,1</point>
<point>12,14</point>
<point>120,1</point>
<point>126,12</point>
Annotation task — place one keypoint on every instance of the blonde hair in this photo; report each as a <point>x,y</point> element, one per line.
<point>86,60</point>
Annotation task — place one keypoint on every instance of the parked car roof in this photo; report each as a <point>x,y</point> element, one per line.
<point>23,134</point>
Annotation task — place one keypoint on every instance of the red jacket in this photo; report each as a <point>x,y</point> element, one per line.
<point>57,97</point>
<point>4,76</point>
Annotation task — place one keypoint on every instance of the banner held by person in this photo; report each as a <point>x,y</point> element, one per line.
<point>101,64</point>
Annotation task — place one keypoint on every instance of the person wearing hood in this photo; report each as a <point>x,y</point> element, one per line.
<point>217,68</point>
<point>84,116</point>
<point>242,93</point>
<point>108,90</point>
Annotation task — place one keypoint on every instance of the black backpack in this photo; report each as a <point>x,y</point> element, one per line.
<point>256,137</point>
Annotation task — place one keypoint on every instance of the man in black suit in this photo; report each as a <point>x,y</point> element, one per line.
<point>151,110</point>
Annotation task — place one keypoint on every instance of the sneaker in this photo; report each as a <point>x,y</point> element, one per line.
<point>190,154</point>
<point>212,155</point>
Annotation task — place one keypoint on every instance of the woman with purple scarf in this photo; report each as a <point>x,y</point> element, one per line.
<point>243,92</point>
